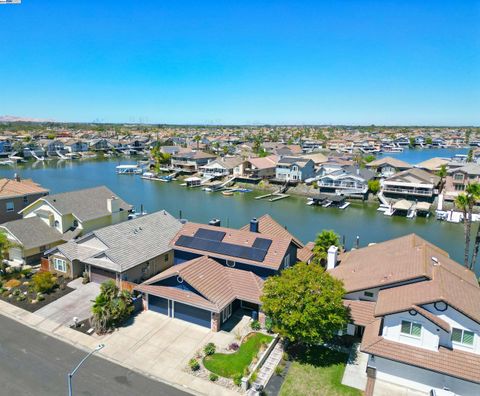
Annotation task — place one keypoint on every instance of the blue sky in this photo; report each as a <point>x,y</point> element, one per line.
<point>299,62</point>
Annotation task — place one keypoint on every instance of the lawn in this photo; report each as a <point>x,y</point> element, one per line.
<point>316,371</point>
<point>230,365</point>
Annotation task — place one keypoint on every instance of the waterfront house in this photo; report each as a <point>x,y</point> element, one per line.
<point>221,167</point>
<point>69,214</point>
<point>133,250</point>
<point>15,195</point>
<point>100,145</point>
<point>52,147</point>
<point>294,169</point>
<point>317,158</point>
<point>412,184</point>
<point>191,161</point>
<point>433,165</point>
<point>345,180</point>
<point>387,166</point>
<point>6,147</point>
<point>75,146</point>
<point>417,311</point>
<point>459,178</point>
<point>257,169</point>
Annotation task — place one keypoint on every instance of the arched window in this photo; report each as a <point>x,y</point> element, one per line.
<point>75,223</point>
<point>56,224</point>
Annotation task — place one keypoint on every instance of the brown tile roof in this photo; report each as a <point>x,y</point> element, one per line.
<point>463,365</point>
<point>217,285</point>
<point>361,312</point>
<point>265,162</point>
<point>415,175</point>
<point>13,188</point>
<point>304,254</point>
<point>273,259</point>
<point>396,163</point>
<point>432,318</point>
<point>268,226</point>
<point>397,260</point>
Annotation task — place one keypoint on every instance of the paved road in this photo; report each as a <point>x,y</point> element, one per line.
<point>32,363</point>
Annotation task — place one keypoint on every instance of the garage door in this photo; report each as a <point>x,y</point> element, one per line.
<point>15,254</point>
<point>192,314</point>
<point>99,275</point>
<point>158,304</point>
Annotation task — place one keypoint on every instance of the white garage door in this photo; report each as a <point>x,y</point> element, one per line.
<point>15,254</point>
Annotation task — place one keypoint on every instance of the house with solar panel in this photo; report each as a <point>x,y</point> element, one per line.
<point>219,270</point>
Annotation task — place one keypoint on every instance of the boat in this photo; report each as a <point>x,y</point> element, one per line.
<point>227,193</point>
<point>153,176</point>
<point>128,170</point>
<point>243,190</point>
<point>193,181</point>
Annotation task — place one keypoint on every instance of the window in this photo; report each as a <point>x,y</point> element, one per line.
<point>25,200</point>
<point>464,337</point>
<point>411,328</point>
<point>286,261</point>
<point>166,257</point>
<point>368,294</point>
<point>75,223</point>
<point>10,206</point>
<point>56,224</point>
<point>458,176</point>
<point>60,264</point>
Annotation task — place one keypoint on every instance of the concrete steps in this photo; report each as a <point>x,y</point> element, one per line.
<point>268,369</point>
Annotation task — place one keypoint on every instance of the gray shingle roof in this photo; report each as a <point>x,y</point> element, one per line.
<point>32,232</point>
<point>87,204</point>
<point>128,244</point>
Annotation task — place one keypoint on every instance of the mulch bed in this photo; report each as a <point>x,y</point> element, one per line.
<point>60,291</point>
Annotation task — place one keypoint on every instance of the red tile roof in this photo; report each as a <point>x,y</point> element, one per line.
<point>14,188</point>
<point>361,312</point>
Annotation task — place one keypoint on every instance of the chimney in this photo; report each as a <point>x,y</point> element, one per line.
<point>254,225</point>
<point>16,177</point>
<point>332,257</point>
<point>113,204</point>
<point>214,222</point>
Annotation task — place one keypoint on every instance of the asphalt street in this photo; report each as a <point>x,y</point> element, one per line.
<point>32,363</point>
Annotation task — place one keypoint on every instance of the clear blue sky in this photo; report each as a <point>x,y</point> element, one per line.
<point>352,62</point>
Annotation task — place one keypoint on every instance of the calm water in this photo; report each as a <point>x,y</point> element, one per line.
<point>414,156</point>
<point>196,205</point>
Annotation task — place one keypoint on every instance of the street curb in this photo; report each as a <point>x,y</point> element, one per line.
<point>110,359</point>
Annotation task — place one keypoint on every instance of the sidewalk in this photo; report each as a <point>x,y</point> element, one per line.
<point>174,376</point>
<point>355,374</point>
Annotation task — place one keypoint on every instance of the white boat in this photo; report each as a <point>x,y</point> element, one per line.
<point>344,206</point>
<point>128,170</point>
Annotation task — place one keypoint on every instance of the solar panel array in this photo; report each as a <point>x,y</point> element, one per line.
<point>211,241</point>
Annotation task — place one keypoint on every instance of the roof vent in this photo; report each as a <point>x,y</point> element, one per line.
<point>435,261</point>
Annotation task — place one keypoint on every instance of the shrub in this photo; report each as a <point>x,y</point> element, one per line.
<point>194,365</point>
<point>27,272</point>
<point>285,356</point>
<point>237,380</point>
<point>16,292</point>
<point>253,378</point>
<point>86,278</point>
<point>233,346</point>
<point>255,325</point>
<point>12,283</point>
<point>269,324</point>
<point>279,370</point>
<point>40,297</point>
<point>44,282</point>
<point>21,297</point>
<point>213,377</point>
<point>209,349</point>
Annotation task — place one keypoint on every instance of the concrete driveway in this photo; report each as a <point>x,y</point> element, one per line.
<point>162,347</point>
<point>77,303</point>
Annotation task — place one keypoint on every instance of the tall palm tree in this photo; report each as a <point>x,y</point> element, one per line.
<point>474,190</point>
<point>462,203</point>
<point>197,139</point>
<point>442,173</point>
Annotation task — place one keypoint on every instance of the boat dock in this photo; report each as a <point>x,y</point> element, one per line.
<point>276,196</point>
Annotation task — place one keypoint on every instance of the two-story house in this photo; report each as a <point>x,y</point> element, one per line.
<point>387,166</point>
<point>346,180</point>
<point>294,169</point>
<point>54,219</point>
<point>417,311</point>
<point>459,178</point>
<point>221,167</point>
<point>412,184</point>
<point>191,161</point>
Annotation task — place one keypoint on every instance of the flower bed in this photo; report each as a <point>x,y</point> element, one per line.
<point>17,289</point>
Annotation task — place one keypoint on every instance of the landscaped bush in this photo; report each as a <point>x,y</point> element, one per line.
<point>16,292</point>
<point>194,365</point>
<point>44,282</point>
<point>255,325</point>
<point>233,346</point>
<point>86,278</point>
<point>40,297</point>
<point>12,283</point>
<point>26,272</point>
<point>21,297</point>
<point>237,380</point>
<point>269,324</point>
<point>279,370</point>
<point>209,349</point>
<point>213,377</point>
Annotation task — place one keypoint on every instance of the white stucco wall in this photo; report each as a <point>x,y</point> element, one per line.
<point>420,379</point>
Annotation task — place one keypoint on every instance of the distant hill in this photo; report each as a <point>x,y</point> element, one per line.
<point>10,118</point>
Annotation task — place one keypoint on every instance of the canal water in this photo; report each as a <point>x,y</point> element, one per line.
<point>359,219</point>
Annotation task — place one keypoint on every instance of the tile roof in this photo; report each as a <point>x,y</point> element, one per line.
<point>414,175</point>
<point>453,362</point>
<point>273,259</point>
<point>14,188</point>
<point>265,162</point>
<point>87,204</point>
<point>432,318</point>
<point>432,164</point>
<point>127,244</point>
<point>396,163</point>
<point>33,232</point>
<point>217,285</point>
<point>268,226</point>
<point>361,312</point>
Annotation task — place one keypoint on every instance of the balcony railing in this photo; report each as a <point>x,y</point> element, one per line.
<point>411,191</point>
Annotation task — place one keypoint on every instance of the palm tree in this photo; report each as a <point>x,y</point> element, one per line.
<point>474,190</point>
<point>323,242</point>
<point>197,139</point>
<point>442,173</point>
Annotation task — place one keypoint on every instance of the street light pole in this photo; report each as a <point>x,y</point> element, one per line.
<point>70,375</point>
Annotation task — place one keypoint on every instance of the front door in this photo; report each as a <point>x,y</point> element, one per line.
<point>226,313</point>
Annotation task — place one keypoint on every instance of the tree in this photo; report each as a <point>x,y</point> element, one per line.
<point>197,139</point>
<point>305,304</point>
<point>110,307</point>
<point>323,242</point>
<point>411,142</point>
<point>428,140</point>
<point>442,173</point>
<point>368,158</point>
<point>470,155</point>
<point>5,246</point>
<point>374,186</point>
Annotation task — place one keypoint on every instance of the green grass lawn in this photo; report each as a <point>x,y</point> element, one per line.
<point>232,364</point>
<point>316,371</point>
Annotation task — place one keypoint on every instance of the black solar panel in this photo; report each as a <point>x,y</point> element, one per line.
<point>209,234</point>
<point>227,249</point>
<point>262,243</point>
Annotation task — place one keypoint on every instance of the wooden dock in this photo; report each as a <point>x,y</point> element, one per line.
<point>273,196</point>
